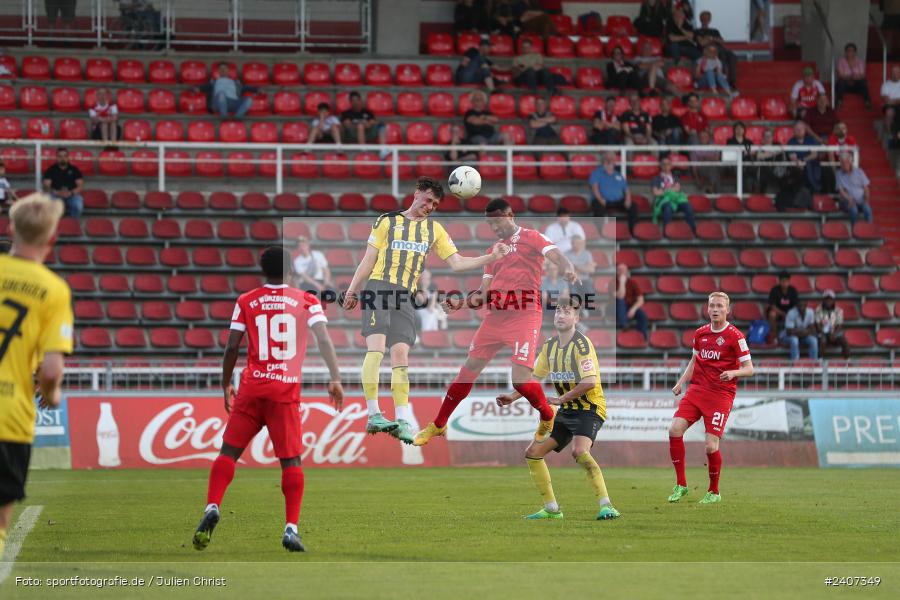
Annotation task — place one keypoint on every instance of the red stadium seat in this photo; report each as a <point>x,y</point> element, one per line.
<point>137,130</point>
<point>286,73</point>
<point>889,283</point>
<point>746,311</point>
<point>410,104</point>
<point>772,231</point>
<point>773,109</point>
<point>721,134</point>
<point>130,71</point>
<point>88,310</point>
<point>408,74</point>
<point>7,97</point>
<point>859,338</point>
<point>201,131</point>
<point>589,47</point>
<point>684,311</point>
<point>193,72</point>
<point>752,258</point>
<point>744,108</point>
<point>11,128</point>
<point>108,256</point>
<point>620,42</point>
<point>702,284</point>
<point>130,100</point>
<point>192,102</point>
<point>714,108</point>
<point>36,128</point>
<point>876,258</point>
<point>785,258</point>
<point>866,231</point>
<point>563,107</point>
<point>175,257</point>
<point>125,200</point>
<point>317,73</point>
<point>380,103</point>
<point>741,231</point>
<point>440,44</point>
<point>680,77</point>
<point>502,45</point>
<point>542,204</point>
<point>821,259</point>
<point>65,100</point>
<point>66,68</point>
<point>165,338</point>
<point>647,166</point>
<point>9,63</point>
<point>804,231</point>
<point>589,78</point>
<point>835,231</point>
<point>163,72</point>
<point>140,256</point>
<point>378,74</point>
<point>552,166</point>
<point>631,340</point>
<point>95,338</point>
<point>573,135</point>
<point>664,339</point>
<point>658,259</point>
<point>162,102</point>
<point>502,105</point>
<point>286,103</point>
<point>647,232</point>
<point>112,163</point>
<point>439,75</point>
<point>209,164</point>
<point>35,67</point>
<point>255,73</point>
<point>312,100</point>
<point>560,47</point>
<point>231,132</point>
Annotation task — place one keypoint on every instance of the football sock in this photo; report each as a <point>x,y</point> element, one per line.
<point>371,370</point>
<point>290,527</point>
<point>595,476</point>
<point>541,476</point>
<point>457,392</point>
<point>534,393</point>
<point>400,389</point>
<point>292,488</point>
<point>401,413</point>
<point>220,476</point>
<point>676,451</point>
<point>210,507</point>
<point>714,464</point>
<point>2,541</point>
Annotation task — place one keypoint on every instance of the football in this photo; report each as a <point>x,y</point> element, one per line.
<point>464,182</point>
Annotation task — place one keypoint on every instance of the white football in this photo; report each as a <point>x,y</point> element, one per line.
<point>464,182</point>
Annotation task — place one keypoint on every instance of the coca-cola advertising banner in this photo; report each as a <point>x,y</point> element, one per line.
<point>171,432</point>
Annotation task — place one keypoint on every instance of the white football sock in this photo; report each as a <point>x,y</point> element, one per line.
<point>401,412</point>
<point>551,507</point>
<point>374,409</point>
<point>210,507</point>
<point>290,527</point>
<point>604,501</point>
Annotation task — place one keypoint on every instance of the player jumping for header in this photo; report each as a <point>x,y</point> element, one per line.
<point>720,356</point>
<point>511,290</point>
<point>394,259</point>
<point>276,319</point>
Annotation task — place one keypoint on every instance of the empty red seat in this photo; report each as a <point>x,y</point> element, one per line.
<point>859,338</point>
<point>646,166</point>
<point>161,102</point>
<point>130,100</point>
<point>378,74</point>
<point>440,104</point>
<point>162,71</point>
<point>36,128</point>
<point>680,77</point>
<point>439,75</point>
<point>380,103</point>
<point>130,71</point>
<point>785,258</point>
<point>95,338</point>
<point>137,130</point>
<point>35,67</point>
<point>630,340</point>
<point>230,132</point>
<point>669,284</point>
<point>336,165</point>
<point>321,202</point>
<point>312,100</point>
<point>830,282</point>
<point>658,259</point>
<point>734,284</point>
<point>573,135</point>
<point>330,232</point>
<point>73,129</point>
<point>192,102</point>
<point>744,108</point>
<point>684,311</point>
<point>367,165</point>
<point>440,44</point>
<point>889,283</point>
<point>88,310</point>
<point>165,338</point>
<point>835,231</point>
<point>286,103</point>
<point>66,68</point>
<point>821,259</point>
<point>552,166</point>
<point>201,131</point>
<point>193,72</point>
<point>760,204</point>
<point>65,100</point>
<point>866,231</point>
<point>803,231</point>
<point>752,258</point>
<point>741,231</point>
<point>108,256</point>
<point>714,108</point>
<point>772,231</point>
<point>589,47</point>
<point>773,109</point>
<point>702,284</point>
<point>502,105</point>
<point>746,311</point>
<point>317,73</point>
<point>589,78</point>
<point>286,73</point>
<point>408,74</point>
<point>560,47</point>
<point>255,73</point>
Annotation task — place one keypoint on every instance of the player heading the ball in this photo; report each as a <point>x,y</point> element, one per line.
<point>395,257</point>
<point>720,357</point>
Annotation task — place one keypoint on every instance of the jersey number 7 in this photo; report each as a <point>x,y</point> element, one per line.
<point>13,330</point>
<point>279,329</point>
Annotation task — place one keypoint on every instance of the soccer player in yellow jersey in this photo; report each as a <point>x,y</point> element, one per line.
<point>394,259</point>
<point>569,361</point>
<point>35,333</point>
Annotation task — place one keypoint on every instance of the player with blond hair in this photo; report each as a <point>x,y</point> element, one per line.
<point>35,332</point>
<point>720,357</point>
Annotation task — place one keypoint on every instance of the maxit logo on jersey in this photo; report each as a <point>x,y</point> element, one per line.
<point>420,247</point>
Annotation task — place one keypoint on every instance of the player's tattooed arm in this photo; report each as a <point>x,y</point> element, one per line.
<point>229,359</point>
<point>746,370</point>
<point>685,377</point>
<point>326,349</point>
<point>565,265</point>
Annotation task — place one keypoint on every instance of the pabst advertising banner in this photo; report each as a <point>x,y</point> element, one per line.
<point>170,432</point>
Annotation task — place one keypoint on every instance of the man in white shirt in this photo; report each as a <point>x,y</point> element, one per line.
<point>562,232</point>
<point>890,96</point>
<point>104,118</point>
<point>311,267</point>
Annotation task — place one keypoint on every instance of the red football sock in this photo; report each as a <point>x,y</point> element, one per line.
<point>458,391</point>
<point>714,463</point>
<point>676,451</point>
<point>220,477</point>
<point>292,488</point>
<point>534,393</point>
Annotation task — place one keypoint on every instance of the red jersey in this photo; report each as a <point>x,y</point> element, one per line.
<point>694,121</point>
<point>715,352</point>
<point>277,319</point>
<point>806,95</point>
<point>833,140</point>
<point>516,278</point>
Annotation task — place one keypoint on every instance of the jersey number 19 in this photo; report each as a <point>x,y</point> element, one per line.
<point>277,329</point>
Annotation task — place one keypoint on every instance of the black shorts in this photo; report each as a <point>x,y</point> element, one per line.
<point>390,312</point>
<point>14,459</point>
<point>569,423</point>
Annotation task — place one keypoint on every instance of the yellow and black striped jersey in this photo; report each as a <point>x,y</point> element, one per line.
<point>566,365</point>
<point>35,319</point>
<point>402,246</point>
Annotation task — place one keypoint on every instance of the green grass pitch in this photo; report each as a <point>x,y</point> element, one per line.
<point>454,533</point>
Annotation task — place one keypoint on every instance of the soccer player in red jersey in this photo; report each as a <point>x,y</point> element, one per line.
<point>721,355</point>
<point>276,319</point>
<point>511,289</point>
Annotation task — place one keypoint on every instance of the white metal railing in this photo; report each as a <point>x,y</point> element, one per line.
<point>106,24</point>
<point>733,160</point>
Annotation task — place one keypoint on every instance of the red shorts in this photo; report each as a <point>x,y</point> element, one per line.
<point>249,415</point>
<point>517,329</point>
<point>714,407</point>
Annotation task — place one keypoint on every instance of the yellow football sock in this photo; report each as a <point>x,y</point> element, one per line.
<point>541,476</point>
<point>594,475</point>
<point>370,376</point>
<point>400,385</point>
<point>2,541</point>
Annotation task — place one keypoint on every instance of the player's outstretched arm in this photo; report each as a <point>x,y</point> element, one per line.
<point>685,377</point>
<point>469,263</point>
<point>229,359</point>
<point>50,378</point>
<point>565,265</point>
<point>326,348</point>
<point>351,296</point>
<point>746,370</point>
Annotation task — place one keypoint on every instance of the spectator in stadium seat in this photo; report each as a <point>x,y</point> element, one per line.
<point>540,125</point>
<point>805,93</point>
<point>64,181</point>
<point>651,20</point>
<point>311,267</point>
<point>706,36</point>
<point>853,190</point>
<point>890,98</point>
<point>621,74</point>
<point>782,298</point>
<point>503,20</point>
<point>430,315</point>
<point>680,38</point>
<point>325,128</point>
<point>469,15</point>
<point>531,18</point>
<point>650,69</point>
<point>769,177</point>
<point>807,161</point>
<point>528,70</point>
<point>358,123</point>
<point>851,77</point>
<point>709,73</point>
<point>475,66</point>
<point>629,300</point>
<point>820,120</point>
<point>104,117</point>
<point>606,129</point>
<point>800,326</point>
<point>636,124</point>
<point>480,126</point>
<point>840,137</point>
<point>225,95</point>
<point>693,120</point>
<point>563,230</point>
<point>669,198</point>
<point>707,177</point>
<point>830,325</point>
<point>666,126</point>
<point>7,195</point>
<point>609,192</point>
<point>739,138</point>
<point>585,267</point>
<point>553,287</point>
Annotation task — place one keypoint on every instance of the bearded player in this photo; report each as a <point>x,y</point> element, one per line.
<point>395,258</point>
<point>720,357</point>
<point>276,319</point>
<point>511,290</point>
